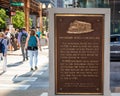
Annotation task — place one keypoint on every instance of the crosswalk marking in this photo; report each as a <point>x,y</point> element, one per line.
<point>44,94</point>
<point>45,68</point>
<point>30,79</point>
<point>40,73</point>
<point>25,79</point>
<point>17,78</point>
<point>14,87</point>
<point>18,75</point>
<point>28,73</point>
<point>21,77</point>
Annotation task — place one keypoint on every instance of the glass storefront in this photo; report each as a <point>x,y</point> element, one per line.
<point>115,16</point>
<point>92,3</point>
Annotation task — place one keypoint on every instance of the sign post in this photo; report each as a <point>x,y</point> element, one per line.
<point>17,4</point>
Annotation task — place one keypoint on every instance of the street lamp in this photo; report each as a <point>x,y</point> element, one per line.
<point>49,5</point>
<point>43,6</point>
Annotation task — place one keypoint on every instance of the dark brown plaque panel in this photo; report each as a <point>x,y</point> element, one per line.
<point>79,53</point>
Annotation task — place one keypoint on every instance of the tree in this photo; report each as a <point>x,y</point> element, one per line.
<point>18,20</point>
<point>3,16</point>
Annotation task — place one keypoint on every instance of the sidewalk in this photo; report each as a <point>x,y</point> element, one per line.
<point>19,81</point>
<point>18,52</point>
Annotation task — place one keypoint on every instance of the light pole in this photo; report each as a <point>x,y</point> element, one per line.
<point>40,14</point>
<point>10,17</point>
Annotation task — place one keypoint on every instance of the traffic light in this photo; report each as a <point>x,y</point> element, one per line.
<point>8,12</point>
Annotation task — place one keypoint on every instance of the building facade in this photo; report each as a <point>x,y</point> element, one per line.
<point>67,3</point>
<point>114,5</point>
<point>60,3</point>
<point>47,2</point>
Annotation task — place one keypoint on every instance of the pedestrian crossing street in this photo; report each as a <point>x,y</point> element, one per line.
<point>18,75</point>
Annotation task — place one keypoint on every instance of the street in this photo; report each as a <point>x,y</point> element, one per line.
<point>115,76</point>
<point>20,80</point>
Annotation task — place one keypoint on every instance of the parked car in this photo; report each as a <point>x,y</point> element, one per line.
<point>115,47</point>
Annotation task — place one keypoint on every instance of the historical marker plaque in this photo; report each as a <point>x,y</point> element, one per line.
<point>79,53</point>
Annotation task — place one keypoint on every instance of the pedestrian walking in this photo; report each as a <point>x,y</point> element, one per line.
<point>38,33</point>
<point>22,40</point>
<point>8,36</point>
<point>3,50</point>
<point>16,38</point>
<point>47,37</point>
<point>12,39</point>
<point>32,44</point>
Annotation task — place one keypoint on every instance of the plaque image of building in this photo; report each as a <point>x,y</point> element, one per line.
<point>79,27</point>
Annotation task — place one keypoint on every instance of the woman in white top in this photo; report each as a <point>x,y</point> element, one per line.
<point>32,44</point>
<point>4,55</point>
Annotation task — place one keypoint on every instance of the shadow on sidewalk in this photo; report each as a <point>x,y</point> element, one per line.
<point>16,78</point>
<point>15,64</point>
<point>2,73</point>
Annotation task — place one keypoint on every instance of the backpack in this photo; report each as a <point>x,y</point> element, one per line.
<point>23,38</point>
<point>2,47</point>
<point>32,42</point>
<point>12,37</point>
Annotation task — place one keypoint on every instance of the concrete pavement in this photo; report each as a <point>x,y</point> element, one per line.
<point>19,81</point>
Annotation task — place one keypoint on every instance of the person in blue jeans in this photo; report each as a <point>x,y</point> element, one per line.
<point>22,43</point>
<point>32,45</point>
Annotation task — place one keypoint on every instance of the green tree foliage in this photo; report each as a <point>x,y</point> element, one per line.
<point>3,16</point>
<point>18,20</point>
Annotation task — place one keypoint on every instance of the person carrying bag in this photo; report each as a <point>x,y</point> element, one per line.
<point>32,45</point>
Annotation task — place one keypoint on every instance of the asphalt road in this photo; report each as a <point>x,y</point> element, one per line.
<point>115,76</point>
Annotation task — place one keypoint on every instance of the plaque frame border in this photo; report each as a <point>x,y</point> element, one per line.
<point>106,62</point>
<point>55,52</point>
